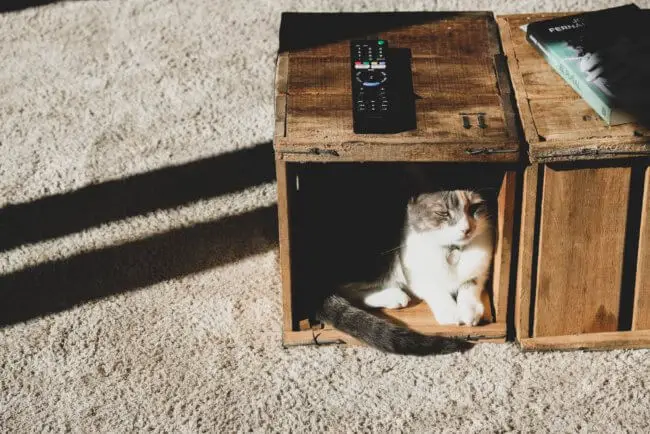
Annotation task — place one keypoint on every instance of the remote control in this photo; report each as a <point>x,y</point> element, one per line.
<point>370,82</point>
<point>381,83</point>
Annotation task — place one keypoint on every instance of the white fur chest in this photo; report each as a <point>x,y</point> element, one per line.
<point>424,260</point>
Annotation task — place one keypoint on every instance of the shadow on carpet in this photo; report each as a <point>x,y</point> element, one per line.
<point>59,285</point>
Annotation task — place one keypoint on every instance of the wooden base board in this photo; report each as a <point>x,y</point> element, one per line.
<point>417,316</point>
<point>493,333</point>
<point>589,341</point>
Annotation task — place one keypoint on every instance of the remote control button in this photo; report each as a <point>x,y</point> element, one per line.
<point>371,83</point>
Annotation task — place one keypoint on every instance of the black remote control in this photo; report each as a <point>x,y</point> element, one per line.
<point>377,94</point>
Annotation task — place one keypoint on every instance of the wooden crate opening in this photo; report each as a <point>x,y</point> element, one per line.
<point>346,220</point>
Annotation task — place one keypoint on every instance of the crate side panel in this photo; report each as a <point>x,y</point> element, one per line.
<point>582,237</point>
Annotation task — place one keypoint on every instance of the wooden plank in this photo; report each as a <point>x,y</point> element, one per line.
<point>324,336</point>
<point>443,36</point>
<point>526,248</point>
<point>573,119</point>
<point>585,149</point>
<point>582,239</point>
<point>589,341</point>
<point>518,83</point>
<point>503,250</point>
<point>439,119</point>
<point>641,315</point>
<point>282,74</point>
<point>455,37</point>
<point>454,76</point>
<point>284,242</point>
<point>281,116</point>
<point>440,135</point>
<point>507,97</point>
<point>396,151</point>
<point>493,333</point>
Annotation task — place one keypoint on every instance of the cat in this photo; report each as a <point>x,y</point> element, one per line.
<point>444,259</point>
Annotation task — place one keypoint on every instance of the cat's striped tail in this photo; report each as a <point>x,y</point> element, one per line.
<point>382,334</point>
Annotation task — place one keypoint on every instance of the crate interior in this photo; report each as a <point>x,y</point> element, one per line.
<point>346,219</point>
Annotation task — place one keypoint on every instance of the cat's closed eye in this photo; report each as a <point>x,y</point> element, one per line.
<point>476,208</point>
<point>442,214</point>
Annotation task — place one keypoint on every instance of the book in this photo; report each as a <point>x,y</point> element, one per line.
<point>603,55</point>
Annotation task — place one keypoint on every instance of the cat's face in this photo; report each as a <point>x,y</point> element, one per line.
<point>450,217</point>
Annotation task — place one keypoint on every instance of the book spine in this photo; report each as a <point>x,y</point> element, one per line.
<point>575,81</point>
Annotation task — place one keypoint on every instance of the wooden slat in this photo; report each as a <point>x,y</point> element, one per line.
<point>416,316</point>
<point>541,84</point>
<point>506,95</point>
<point>558,124</point>
<point>572,119</point>
<point>461,34</point>
<point>404,150</point>
<point>526,248</point>
<point>284,243</point>
<point>454,76</point>
<point>321,117</point>
<point>518,84</point>
<point>641,315</point>
<point>605,148</point>
<point>493,333</point>
<point>282,73</point>
<point>503,251</point>
<point>589,341</point>
<point>280,116</point>
<point>582,239</point>
<point>281,86</point>
<point>455,37</point>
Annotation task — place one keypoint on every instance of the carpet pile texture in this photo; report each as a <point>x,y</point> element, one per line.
<point>137,213</point>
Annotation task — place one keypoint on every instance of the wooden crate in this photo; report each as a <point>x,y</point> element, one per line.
<point>583,277</point>
<point>458,69</point>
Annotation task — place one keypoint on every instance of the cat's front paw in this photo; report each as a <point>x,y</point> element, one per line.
<point>447,316</point>
<point>397,300</point>
<point>470,312</point>
<point>389,298</point>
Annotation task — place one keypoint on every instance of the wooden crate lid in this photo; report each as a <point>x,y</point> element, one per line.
<point>558,124</point>
<point>458,67</point>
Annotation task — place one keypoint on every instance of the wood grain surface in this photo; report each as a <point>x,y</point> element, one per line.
<point>581,246</point>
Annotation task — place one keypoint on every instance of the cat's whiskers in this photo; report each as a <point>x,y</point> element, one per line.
<point>392,250</point>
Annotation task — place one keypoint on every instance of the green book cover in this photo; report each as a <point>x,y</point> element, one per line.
<point>602,55</point>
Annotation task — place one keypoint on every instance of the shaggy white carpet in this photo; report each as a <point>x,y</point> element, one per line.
<point>139,284</point>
